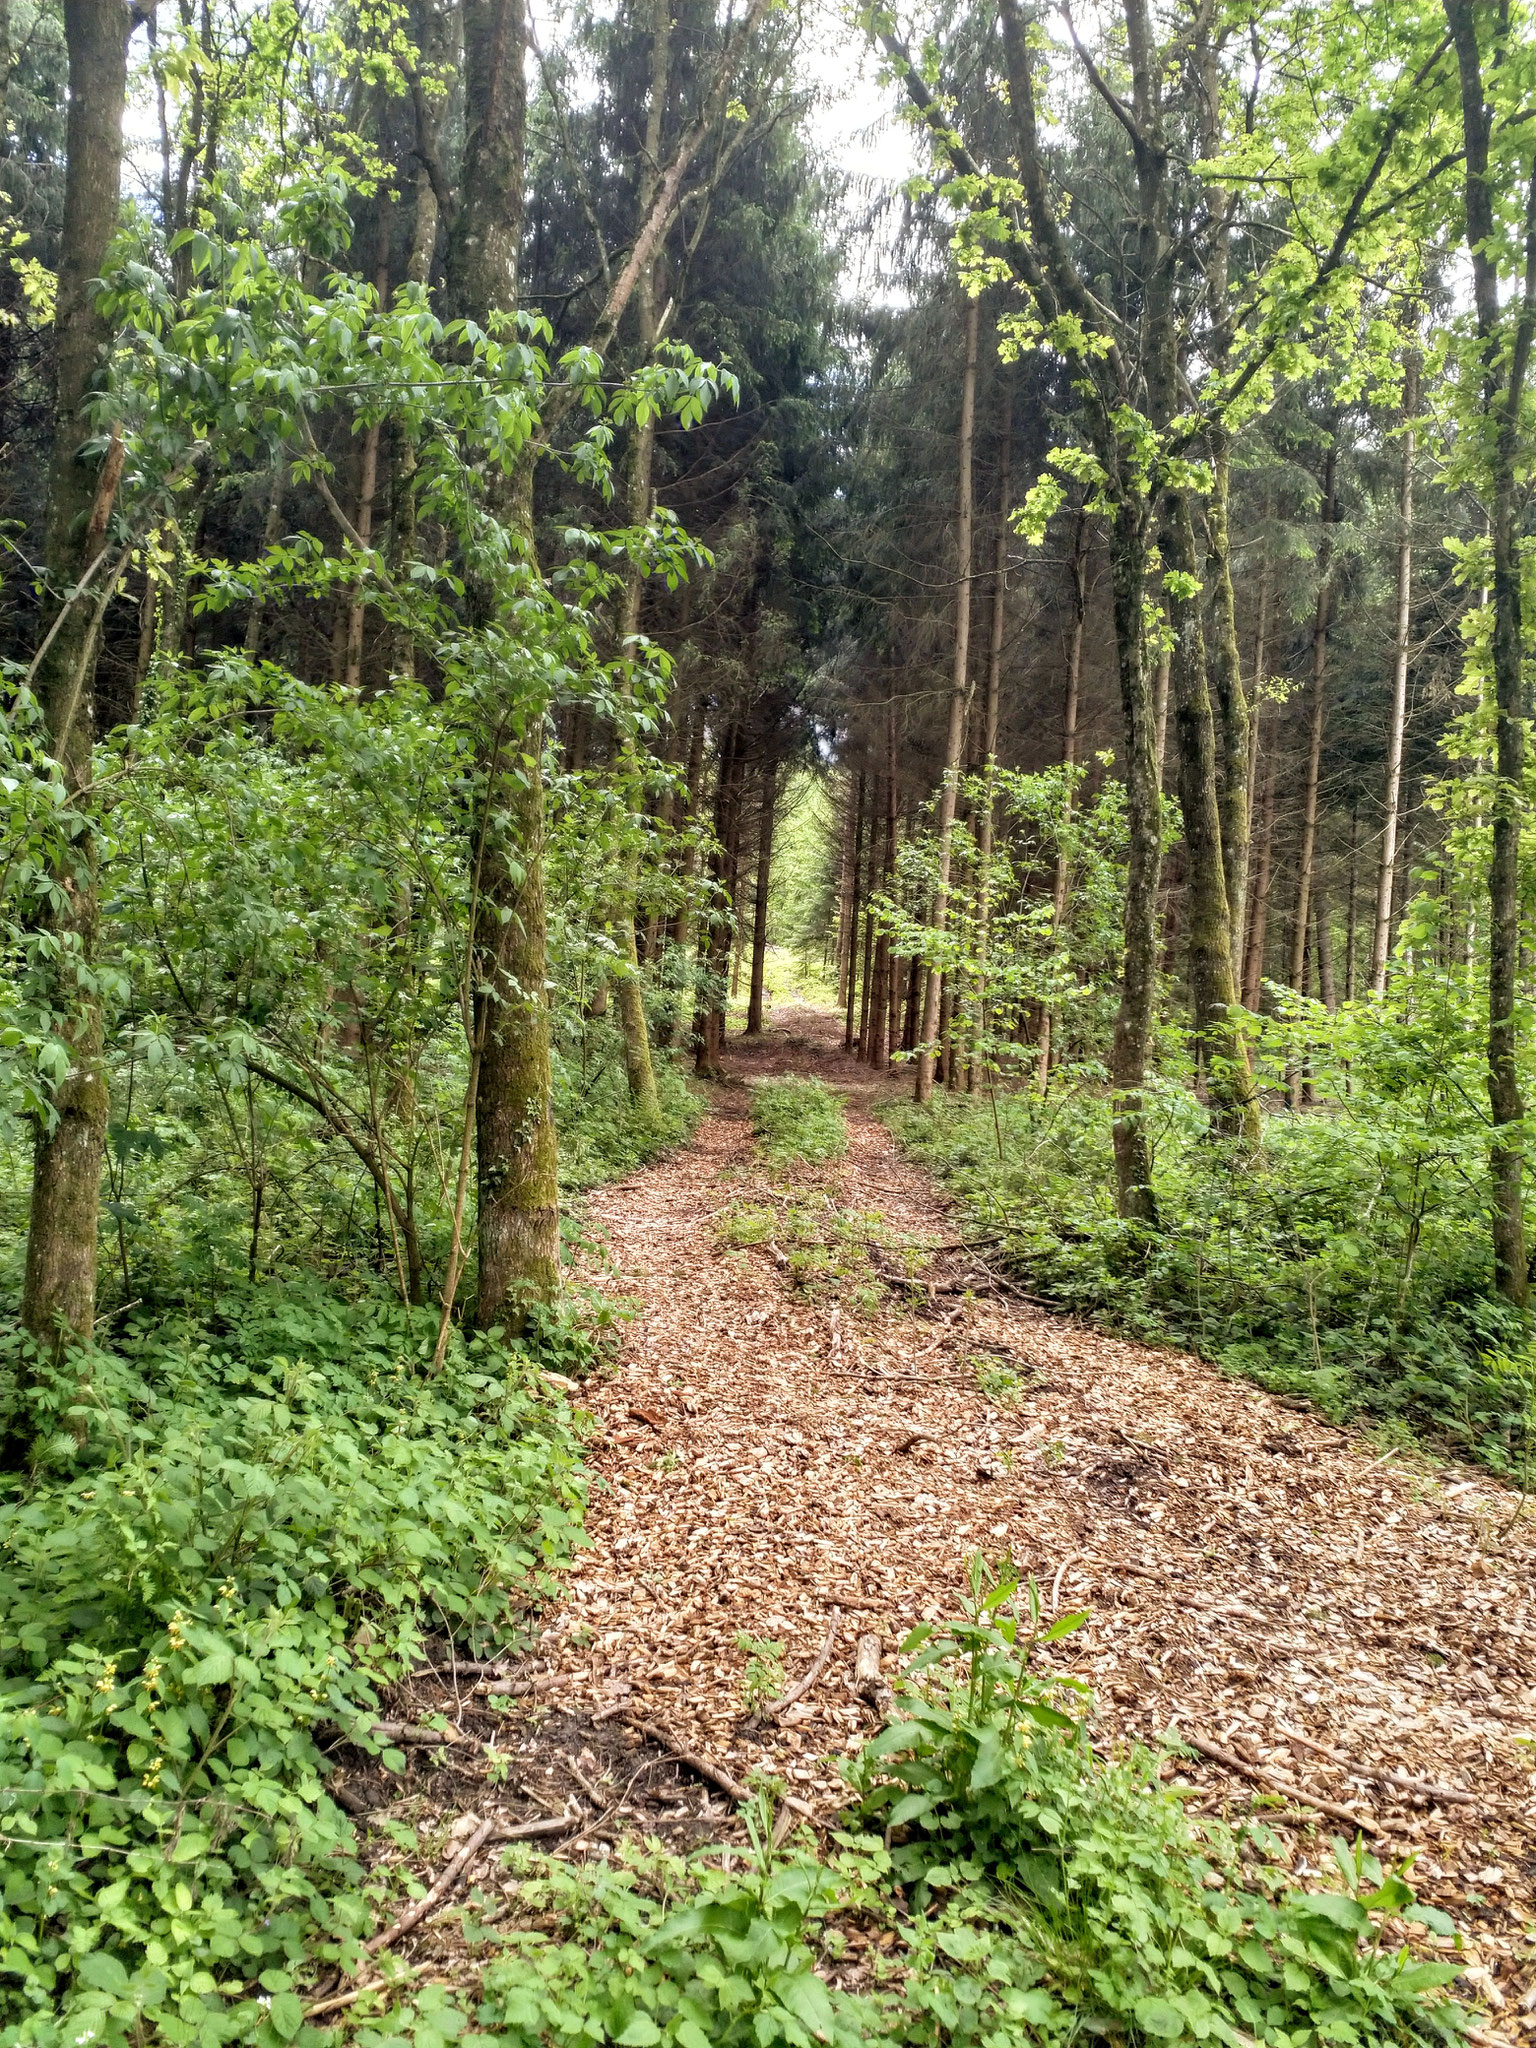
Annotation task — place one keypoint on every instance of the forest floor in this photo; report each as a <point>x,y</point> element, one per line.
<point>798,1443</point>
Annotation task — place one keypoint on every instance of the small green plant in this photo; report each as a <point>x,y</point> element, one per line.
<point>999,1382</point>
<point>1068,1894</point>
<point>798,1122</point>
<point>763,1679</point>
<point>663,1951</point>
<point>1514,1374</point>
<point>823,1247</point>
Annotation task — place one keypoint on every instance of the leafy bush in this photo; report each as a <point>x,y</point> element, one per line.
<point>1034,1894</point>
<point>602,1135</point>
<point>1075,1894</point>
<point>672,1952</point>
<point>798,1120</point>
<point>239,1535</point>
<point>1348,1263</point>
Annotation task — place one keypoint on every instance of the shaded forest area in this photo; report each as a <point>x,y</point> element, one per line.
<point>507,540</point>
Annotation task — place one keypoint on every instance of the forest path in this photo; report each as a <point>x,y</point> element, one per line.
<point>766,1452</point>
<point>1254,1575</point>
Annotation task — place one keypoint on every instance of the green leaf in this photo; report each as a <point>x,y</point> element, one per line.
<point>641,2032</point>
<point>991,1760</point>
<point>1432,1918</point>
<point>102,1972</point>
<point>1347,1914</point>
<point>964,1944</point>
<point>286,2014</point>
<point>912,1807</point>
<point>218,1668</point>
<point>1155,2016</point>
<point>1068,1625</point>
<point>804,1994</point>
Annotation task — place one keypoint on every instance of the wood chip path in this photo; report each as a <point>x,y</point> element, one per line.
<point>1313,1609</point>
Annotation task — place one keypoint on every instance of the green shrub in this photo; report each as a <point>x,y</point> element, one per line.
<point>602,1136</point>
<point>259,1526</point>
<point>1033,1895</point>
<point>797,1120</point>
<point>1056,1894</point>
<point>1348,1264</point>
<point>667,1951</point>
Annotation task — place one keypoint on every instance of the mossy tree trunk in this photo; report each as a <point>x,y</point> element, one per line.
<point>59,1292</point>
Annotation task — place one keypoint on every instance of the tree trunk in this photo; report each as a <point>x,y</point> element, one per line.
<point>1069,762</point>
<point>1160,715</point>
<point>959,691</point>
<point>760,899</point>
<point>681,935</point>
<point>992,710</point>
<point>1134,1199</point>
<point>1231,706</point>
<point>1322,937</point>
<point>867,977</point>
<point>1321,619</point>
<point>639,1067</point>
<point>1220,1045</point>
<point>1255,719</point>
<point>1381,937</point>
<point>368,474</point>
<point>516,1161</point>
<point>1258,921</point>
<point>1505,365</point>
<point>883,1027</point>
<point>853,915</point>
<point>1349,916</point>
<point>59,1291</point>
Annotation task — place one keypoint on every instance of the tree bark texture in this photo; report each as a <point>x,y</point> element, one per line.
<point>1506,354</point>
<point>59,1291</point>
<point>1381,936</point>
<point>1220,1044</point>
<point>1322,618</point>
<point>516,1160</point>
<point>959,694</point>
<point>1069,762</point>
<point>992,710</point>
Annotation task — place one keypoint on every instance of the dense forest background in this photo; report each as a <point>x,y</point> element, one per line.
<point>509,545</point>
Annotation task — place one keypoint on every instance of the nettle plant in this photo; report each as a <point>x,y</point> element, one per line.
<point>1059,1889</point>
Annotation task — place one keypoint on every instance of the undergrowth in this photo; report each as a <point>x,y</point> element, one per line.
<point>240,1531</point>
<point>1336,1267</point>
<point>797,1122</point>
<point>602,1135</point>
<point>823,1247</point>
<point>997,1885</point>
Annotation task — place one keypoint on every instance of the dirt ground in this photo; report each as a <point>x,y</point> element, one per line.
<point>803,1446</point>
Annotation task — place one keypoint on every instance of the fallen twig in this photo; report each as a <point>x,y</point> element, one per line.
<point>1399,1781</point>
<point>410,1735</point>
<point>950,1326</point>
<point>798,1691</point>
<point>711,1772</point>
<point>467,1667</point>
<point>1272,1781</point>
<point>453,1870</point>
<point>487,1831</point>
<point>345,1998</point>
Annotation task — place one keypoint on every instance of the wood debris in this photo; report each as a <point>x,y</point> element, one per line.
<point>1250,1570</point>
